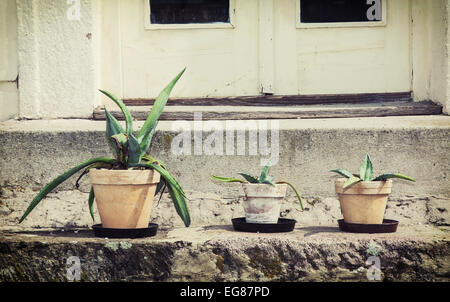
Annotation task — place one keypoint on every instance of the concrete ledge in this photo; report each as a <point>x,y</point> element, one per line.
<point>217,253</point>
<point>33,152</point>
<point>68,209</point>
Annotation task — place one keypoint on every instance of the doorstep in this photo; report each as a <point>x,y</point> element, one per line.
<point>218,253</point>
<point>36,151</point>
<point>309,111</point>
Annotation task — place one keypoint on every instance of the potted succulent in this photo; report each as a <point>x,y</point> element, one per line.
<point>124,187</point>
<point>363,197</point>
<point>263,196</point>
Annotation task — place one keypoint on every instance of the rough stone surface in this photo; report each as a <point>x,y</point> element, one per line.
<point>69,209</point>
<point>217,253</point>
<point>34,152</point>
<point>308,150</point>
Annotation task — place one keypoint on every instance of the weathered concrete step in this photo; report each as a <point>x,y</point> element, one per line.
<point>217,253</point>
<point>34,152</point>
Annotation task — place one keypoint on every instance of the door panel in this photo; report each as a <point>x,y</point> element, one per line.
<point>355,59</point>
<point>263,49</point>
<point>219,61</point>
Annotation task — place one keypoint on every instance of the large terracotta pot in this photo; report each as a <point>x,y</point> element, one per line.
<point>124,197</point>
<point>262,202</point>
<point>363,202</point>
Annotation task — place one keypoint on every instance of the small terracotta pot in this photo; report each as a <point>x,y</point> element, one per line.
<point>124,197</point>
<point>262,202</point>
<point>363,202</point>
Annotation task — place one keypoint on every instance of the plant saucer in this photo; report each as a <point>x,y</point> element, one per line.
<point>100,231</point>
<point>388,226</point>
<point>283,225</point>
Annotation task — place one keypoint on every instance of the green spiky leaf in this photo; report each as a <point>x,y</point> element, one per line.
<point>351,181</point>
<point>226,179</point>
<point>93,166</point>
<point>176,192</point>
<point>179,203</point>
<point>343,172</point>
<point>269,180</point>
<point>123,108</point>
<point>296,193</point>
<point>249,178</point>
<point>60,179</point>
<point>161,184</point>
<point>91,202</point>
<point>134,150</point>
<point>112,128</point>
<point>394,175</point>
<point>366,169</point>
<point>146,132</point>
<point>121,141</point>
<point>151,160</point>
<point>145,140</point>
<point>264,173</point>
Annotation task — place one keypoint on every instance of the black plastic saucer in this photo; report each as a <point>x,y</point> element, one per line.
<point>283,225</point>
<point>100,231</point>
<point>388,226</point>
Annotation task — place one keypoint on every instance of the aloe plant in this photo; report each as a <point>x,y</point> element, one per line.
<point>130,152</point>
<point>264,178</point>
<point>366,174</point>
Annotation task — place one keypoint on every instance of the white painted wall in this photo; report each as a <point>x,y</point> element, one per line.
<point>220,60</point>
<point>439,52</point>
<point>57,58</point>
<point>430,51</point>
<point>447,100</point>
<point>265,52</point>
<point>63,62</point>
<point>9,102</point>
<point>355,58</point>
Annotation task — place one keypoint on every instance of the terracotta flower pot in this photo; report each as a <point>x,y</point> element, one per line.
<point>363,202</point>
<point>124,197</point>
<point>262,202</point>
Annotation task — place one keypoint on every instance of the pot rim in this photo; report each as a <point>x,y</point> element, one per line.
<point>364,187</point>
<point>258,184</point>
<point>366,183</point>
<point>265,190</point>
<point>123,177</point>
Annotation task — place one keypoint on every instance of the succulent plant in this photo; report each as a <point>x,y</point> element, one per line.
<point>264,178</point>
<point>130,152</point>
<point>366,174</point>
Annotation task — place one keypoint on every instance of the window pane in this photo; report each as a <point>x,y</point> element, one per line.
<point>324,11</point>
<point>189,11</point>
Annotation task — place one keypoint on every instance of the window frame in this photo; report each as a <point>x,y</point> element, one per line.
<point>150,26</point>
<point>383,22</point>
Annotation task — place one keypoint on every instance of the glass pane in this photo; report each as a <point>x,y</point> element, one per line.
<point>189,11</point>
<point>325,11</point>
